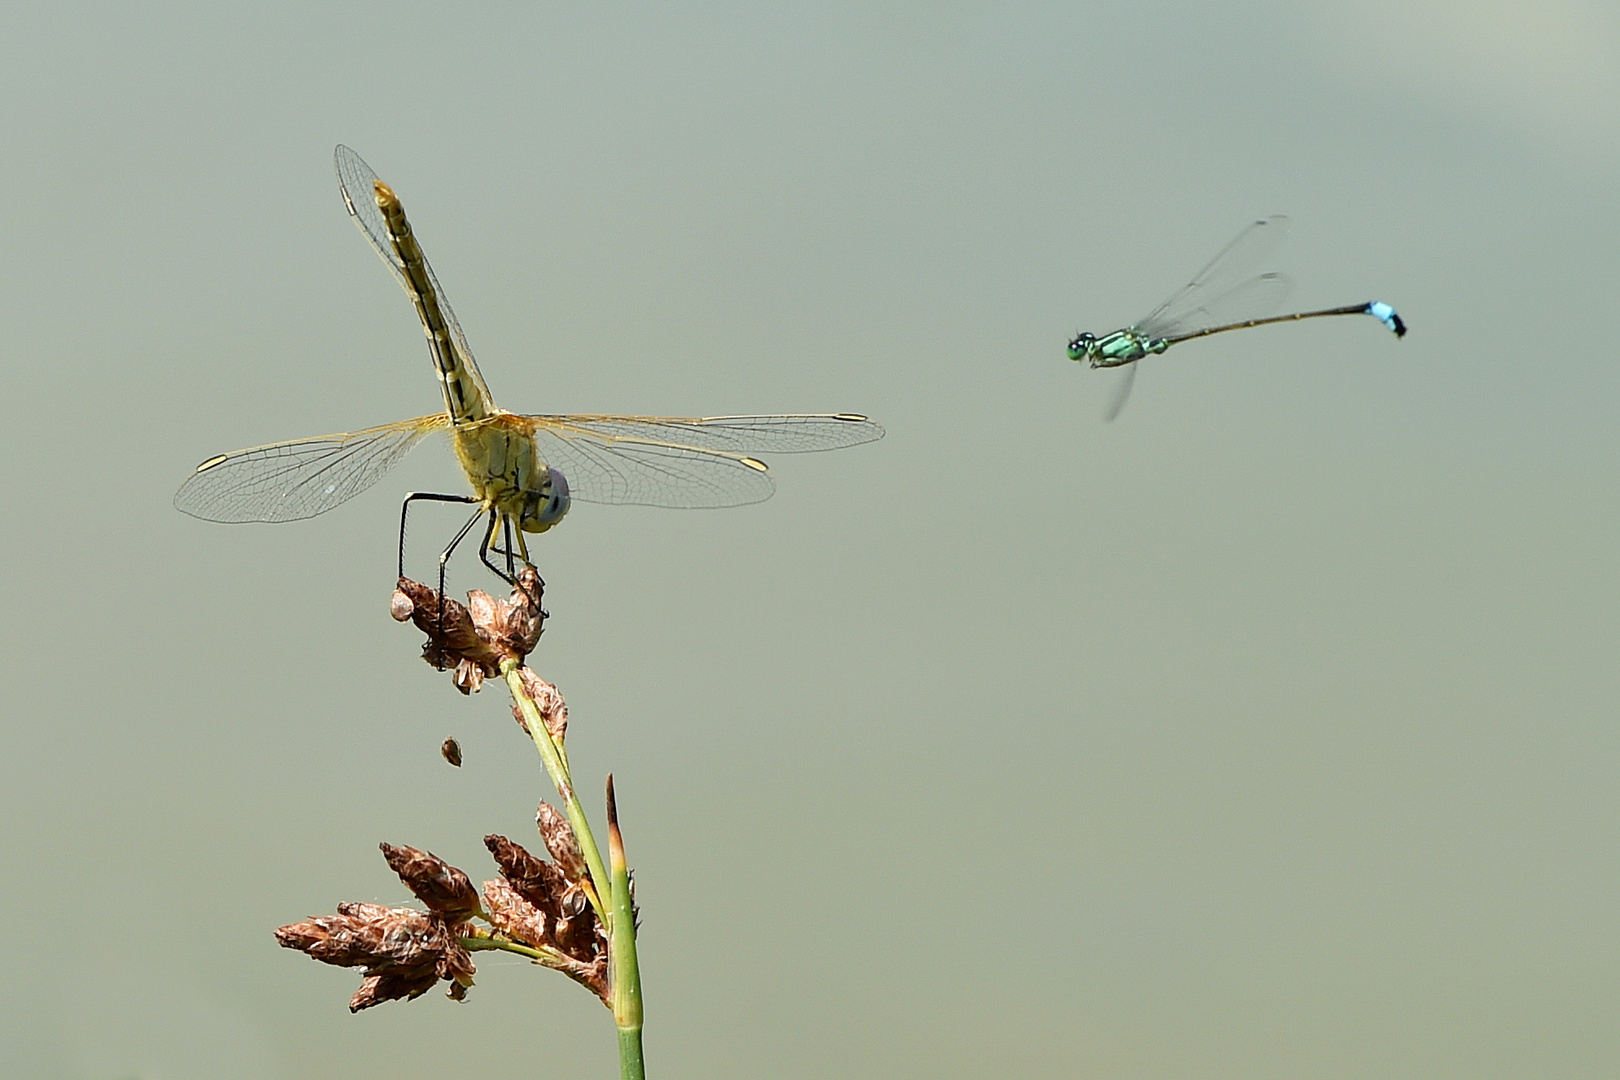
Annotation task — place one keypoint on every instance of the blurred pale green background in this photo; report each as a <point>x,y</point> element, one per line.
<point>1267,732</point>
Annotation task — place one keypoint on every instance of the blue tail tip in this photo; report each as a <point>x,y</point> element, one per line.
<point>1387,315</point>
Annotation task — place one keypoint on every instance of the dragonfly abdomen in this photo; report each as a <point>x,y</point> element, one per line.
<point>465,397</point>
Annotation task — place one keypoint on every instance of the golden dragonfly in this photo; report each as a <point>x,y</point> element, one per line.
<point>524,470</point>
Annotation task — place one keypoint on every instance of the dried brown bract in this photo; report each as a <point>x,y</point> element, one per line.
<point>547,699</point>
<point>446,891</point>
<point>560,840</point>
<point>582,956</point>
<point>474,638</point>
<point>539,882</point>
<point>535,903</point>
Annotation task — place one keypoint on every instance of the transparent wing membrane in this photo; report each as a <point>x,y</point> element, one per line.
<point>787,434</point>
<point>298,479</point>
<point>1236,261</point>
<point>1254,299</point>
<point>690,462</point>
<point>358,184</point>
<point>1121,392</point>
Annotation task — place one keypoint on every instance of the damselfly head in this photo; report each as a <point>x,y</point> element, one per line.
<point>1082,345</point>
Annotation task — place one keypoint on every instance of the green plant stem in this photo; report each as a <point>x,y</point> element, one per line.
<point>626,968</point>
<point>557,767</point>
<point>611,893</point>
<point>631,1066</point>
<point>481,941</point>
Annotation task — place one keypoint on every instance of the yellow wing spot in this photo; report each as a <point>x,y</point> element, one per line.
<point>217,459</point>
<point>754,463</point>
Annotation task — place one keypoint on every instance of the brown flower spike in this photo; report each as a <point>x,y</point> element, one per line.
<point>404,952</point>
<point>536,905</point>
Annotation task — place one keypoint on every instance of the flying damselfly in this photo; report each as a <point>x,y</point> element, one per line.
<point>1216,300</point>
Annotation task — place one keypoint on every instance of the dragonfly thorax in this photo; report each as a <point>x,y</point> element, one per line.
<point>507,473</point>
<point>1115,349</point>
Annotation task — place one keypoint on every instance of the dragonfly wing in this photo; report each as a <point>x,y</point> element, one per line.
<point>1236,261</point>
<point>1121,393</point>
<point>358,184</point>
<point>1253,299</point>
<point>684,461</point>
<point>291,480</point>
<point>785,434</point>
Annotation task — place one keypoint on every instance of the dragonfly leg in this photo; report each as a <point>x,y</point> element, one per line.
<point>488,546</point>
<point>506,536</point>
<point>461,534</point>
<point>404,511</point>
<point>444,556</point>
<point>516,551</point>
<point>523,553</point>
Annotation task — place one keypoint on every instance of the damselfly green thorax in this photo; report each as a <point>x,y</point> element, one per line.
<point>524,471</point>
<point>1216,300</point>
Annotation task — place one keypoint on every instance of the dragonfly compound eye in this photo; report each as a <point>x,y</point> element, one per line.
<point>544,512</point>
<point>1080,347</point>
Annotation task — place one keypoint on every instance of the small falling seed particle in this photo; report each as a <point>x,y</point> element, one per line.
<point>452,752</point>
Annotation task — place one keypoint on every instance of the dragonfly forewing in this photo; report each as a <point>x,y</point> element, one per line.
<point>690,462</point>
<point>1253,299</point>
<point>1234,262</point>
<point>288,481</point>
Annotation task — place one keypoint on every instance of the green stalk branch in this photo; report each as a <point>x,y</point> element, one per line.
<point>557,767</point>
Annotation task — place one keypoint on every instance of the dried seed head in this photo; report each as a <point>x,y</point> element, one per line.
<point>455,962</point>
<point>548,700</point>
<point>444,889</point>
<point>476,637</point>
<point>560,840</point>
<point>369,935</point>
<point>450,630</point>
<point>515,625</point>
<point>404,952</point>
<point>520,920</point>
<point>469,676</point>
<point>392,985</point>
<point>512,914</point>
<point>537,881</point>
<point>579,933</point>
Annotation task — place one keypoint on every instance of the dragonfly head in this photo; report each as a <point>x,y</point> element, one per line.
<point>547,506</point>
<point>1082,345</point>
